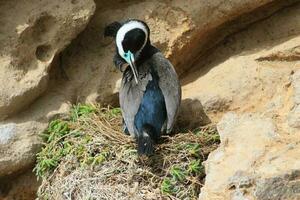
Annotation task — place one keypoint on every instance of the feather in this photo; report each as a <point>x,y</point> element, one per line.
<point>131,95</point>
<point>170,86</point>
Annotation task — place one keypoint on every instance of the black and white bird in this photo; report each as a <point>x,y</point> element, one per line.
<point>150,92</point>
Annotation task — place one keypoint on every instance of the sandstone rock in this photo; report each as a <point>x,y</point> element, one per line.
<point>29,40</point>
<point>22,187</point>
<point>250,71</point>
<point>180,30</point>
<point>256,159</point>
<point>294,115</point>
<point>230,169</point>
<point>191,115</point>
<point>176,28</point>
<point>285,186</point>
<point>253,161</point>
<point>296,85</point>
<point>7,131</point>
<point>18,146</point>
<point>31,34</point>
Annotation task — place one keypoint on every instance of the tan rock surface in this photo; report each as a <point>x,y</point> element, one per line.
<point>176,27</point>
<point>31,34</point>
<point>18,146</point>
<point>250,71</point>
<point>179,28</point>
<point>20,187</point>
<point>87,61</point>
<point>254,161</point>
<point>256,72</point>
<point>244,139</point>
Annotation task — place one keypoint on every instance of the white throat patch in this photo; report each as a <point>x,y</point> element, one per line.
<point>125,29</point>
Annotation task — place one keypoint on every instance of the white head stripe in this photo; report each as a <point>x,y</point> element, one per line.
<point>125,29</point>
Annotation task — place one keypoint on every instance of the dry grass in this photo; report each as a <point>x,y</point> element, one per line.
<point>86,156</point>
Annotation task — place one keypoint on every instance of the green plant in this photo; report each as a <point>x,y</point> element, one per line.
<point>55,130</point>
<point>195,167</point>
<point>213,138</point>
<point>177,173</point>
<point>99,159</point>
<point>81,110</point>
<point>167,186</point>
<point>194,149</point>
<point>49,157</point>
<point>210,134</point>
<point>113,112</point>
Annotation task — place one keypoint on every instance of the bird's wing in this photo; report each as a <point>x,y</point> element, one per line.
<point>131,95</point>
<point>170,86</point>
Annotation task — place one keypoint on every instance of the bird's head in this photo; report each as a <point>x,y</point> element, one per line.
<point>131,38</point>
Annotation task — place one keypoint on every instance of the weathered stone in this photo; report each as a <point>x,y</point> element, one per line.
<point>191,115</point>
<point>29,40</point>
<point>7,131</point>
<point>294,117</point>
<point>244,140</point>
<point>20,187</point>
<point>261,76</point>
<point>180,30</point>
<point>296,85</point>
<point>253,161</point>
<point>286,186</point>
<point>19,144</point>
<point>250,71</point>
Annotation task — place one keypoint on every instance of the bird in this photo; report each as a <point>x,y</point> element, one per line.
<point>150,92</point>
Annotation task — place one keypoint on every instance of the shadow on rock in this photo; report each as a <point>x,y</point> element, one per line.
<point>191,115</point>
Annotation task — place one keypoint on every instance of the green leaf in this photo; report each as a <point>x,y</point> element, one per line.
<point>167,186</point>
<point>195,167</point>
<point>177,173</point>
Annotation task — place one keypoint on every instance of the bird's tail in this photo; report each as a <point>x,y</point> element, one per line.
<point>146,140</point>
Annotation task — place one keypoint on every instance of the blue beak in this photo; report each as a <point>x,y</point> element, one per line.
<point>129,57</point>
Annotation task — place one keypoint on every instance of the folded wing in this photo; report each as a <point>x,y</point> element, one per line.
<point>170,86</point>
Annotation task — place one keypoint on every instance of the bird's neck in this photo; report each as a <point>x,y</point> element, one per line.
<point>147,52</point>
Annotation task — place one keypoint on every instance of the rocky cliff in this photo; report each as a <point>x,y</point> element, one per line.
<point>239,67</point>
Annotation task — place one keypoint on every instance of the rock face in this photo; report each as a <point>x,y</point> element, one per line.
<point>191,115</point>
<point>254,161</point>
<point>29,41</point>
<point>250,71</point>
<point>258,76</point>
<point>18,146</point>
<point>179,28</point>
<point>240,149</point>
<point>32,33</point>
<point>53,53</point>
<point>20,187</point>
<point>294,115</point>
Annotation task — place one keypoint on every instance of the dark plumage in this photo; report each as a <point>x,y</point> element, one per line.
<point>150,93</point>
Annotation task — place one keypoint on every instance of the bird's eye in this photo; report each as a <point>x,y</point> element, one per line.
<point>126,55</point>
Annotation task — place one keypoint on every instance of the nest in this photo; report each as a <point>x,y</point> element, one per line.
<point>87,156</point>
